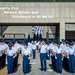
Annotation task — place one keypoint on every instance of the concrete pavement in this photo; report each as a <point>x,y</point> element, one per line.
<point>35,68</point>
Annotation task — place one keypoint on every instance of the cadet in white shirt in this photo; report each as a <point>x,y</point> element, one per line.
<point>3,48</point>
<point>53,46</point>
<point>33,32</point>
<point>58,57</point>
<point>1,52</point>
<point>63,44</point>
<point>36,32</point>
<point>74,52</point>
<point>25,56</point>
<point>71,59</point>
<point>48,48</point>
<point>43,55</point>
<point>10,60</point>
<point>65,53</point>
<point>34,50</point>
<point>17,49</point>
<point>41,31</point>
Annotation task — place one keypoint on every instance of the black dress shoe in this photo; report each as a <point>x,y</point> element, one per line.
<point>60,71</point>
<point>11,72</point>
<point>72,71</point>
<point>44,69</point>
<point>8,72</point>
<point>41,69</point>
<point>24,72</point>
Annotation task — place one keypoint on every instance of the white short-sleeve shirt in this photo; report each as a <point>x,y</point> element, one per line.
<point>43,49</point>
<point>25,51</point>
<point>10,52</point>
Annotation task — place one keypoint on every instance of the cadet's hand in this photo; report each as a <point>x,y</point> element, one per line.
<point>0,52</point>
<point>51,50</point>
<point>19,49</point>
<point>47,51</point>
<point>67,54</point>
<point>28,57</point>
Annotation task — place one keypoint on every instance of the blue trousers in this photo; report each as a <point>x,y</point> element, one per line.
<point>25,64</point>
<point>71,63</point>
<point>74,62</point>
<point>3,60</point>
<point>10,64</point>
<point>59,63</point>
<point>0,62</point>
<point>53,61</point>
<point>34,54</point>
<point>15,61</point>
<point>28,64</point>
<point>48,55</point>
<point>39,36</point>
<point>43,60</point>
<point>36,36</point>
<point>66,63</point>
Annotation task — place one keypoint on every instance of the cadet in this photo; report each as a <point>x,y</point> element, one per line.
<point>65,53</point>
<point>58,58</point>
<point>34,50</point>
<point>17,48</point>
<point>43,53</point>
<point>48,48</point>
<point>38,33</point>
<point>33,32</point>
<point>71,58</point>
<point>30,49</point>
<point>63,44</point>
<point>1,50</point>
<point>41,29</point>
<point>25,56</point>
<point>5,47</point>
<point>10,54</point>
<point>74,54</point>
<point>53,46</point>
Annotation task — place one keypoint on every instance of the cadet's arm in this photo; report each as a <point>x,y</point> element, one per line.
<point>54,53</point>
<point>39,47</point>
<point>22,55</point>
<point>47,51</point>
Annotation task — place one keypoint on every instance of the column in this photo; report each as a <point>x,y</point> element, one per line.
<point>62,29</point>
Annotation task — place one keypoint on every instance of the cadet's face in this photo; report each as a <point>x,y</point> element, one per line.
<point>15,42</point>
<point>67,44</point>
<point>10,48</point>
<point>55,44</point>
<point>48,44</point>
<point>63,42</point>
<point>71,46</point>
<point>25,46</point>
<point>43,42</point>
<point>2,42</point>
<point>58,45</point>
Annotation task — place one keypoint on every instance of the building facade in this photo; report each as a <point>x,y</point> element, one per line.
<point>57,17</point>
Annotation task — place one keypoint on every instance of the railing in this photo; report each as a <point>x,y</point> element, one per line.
<point>14,35</point>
